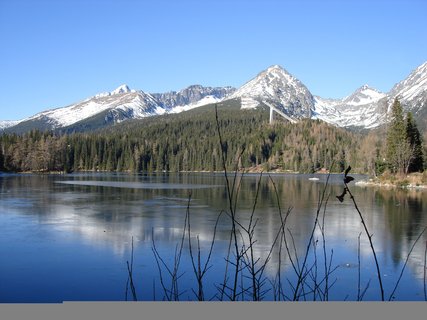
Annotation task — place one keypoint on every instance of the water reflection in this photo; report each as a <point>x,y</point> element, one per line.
<point>104,211</point>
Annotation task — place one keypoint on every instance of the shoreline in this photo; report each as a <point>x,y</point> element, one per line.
<point>387,185</point>
<point>248,171</point>
<point>401,184</point>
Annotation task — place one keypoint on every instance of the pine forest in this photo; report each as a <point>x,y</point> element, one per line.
<point>189,142</point>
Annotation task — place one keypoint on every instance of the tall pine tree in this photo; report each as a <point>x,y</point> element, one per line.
<point>399,153</point>
<point>415,142</point>
<point>1,158</point>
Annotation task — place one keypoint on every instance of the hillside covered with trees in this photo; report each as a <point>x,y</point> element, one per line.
<point>189,142</point>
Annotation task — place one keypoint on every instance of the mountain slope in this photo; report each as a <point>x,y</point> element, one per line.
<point>413,88</point>
<point>412,92</point>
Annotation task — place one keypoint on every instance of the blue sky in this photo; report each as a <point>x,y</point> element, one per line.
<point>54,53</point>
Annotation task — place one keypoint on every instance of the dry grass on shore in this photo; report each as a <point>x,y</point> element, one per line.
<point>412,180</point>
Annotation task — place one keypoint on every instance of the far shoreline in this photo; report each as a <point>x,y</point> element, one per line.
<point>413,181</point>
<point>365,183</point>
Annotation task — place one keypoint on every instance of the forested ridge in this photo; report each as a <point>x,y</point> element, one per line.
<point>189,142</point>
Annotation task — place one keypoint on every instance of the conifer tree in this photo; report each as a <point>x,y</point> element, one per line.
<point>415,142</point>
<point>399,153</point>
<point>1,158</point>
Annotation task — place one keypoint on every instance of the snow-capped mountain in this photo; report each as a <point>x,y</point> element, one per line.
<point>365,108</point>
<point>360,109</point>
<point>118,105</point>
<point>278,87</point>
<point>285,92</point>
<point>368,108</point>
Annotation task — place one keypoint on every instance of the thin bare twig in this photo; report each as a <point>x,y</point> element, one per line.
<point>358,267</point>
<point>370,240</point>
<point>200,271</point>
<point>425,272</point>
<point>173,293</point>
<point>130,276</point>
<point>325,258</point>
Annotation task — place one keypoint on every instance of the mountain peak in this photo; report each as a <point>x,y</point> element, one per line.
<point>364,95</point>
<point>280,88</point>
<point>275,67</point>
<point>364,87</point>
<point>276,70</point>
<point>121,89</point>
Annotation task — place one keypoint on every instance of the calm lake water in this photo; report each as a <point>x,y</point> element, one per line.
<point>68,237</point>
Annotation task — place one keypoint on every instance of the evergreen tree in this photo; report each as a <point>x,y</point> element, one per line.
<point>1,158</point>
<point>415,141</point>
<point>398,153</point>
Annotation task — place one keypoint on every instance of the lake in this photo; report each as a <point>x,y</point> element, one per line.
<point>70,238</point>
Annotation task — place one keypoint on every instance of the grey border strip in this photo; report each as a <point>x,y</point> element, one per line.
<point>216,310</point>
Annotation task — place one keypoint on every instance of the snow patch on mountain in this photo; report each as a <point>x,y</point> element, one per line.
<point>8,123</point>
<point>248,103</point>
<point>204,101</point>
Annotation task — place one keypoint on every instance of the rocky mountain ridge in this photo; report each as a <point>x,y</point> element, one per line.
<point>366,108</point>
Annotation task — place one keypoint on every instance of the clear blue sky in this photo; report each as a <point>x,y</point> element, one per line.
<point>54,53</point>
